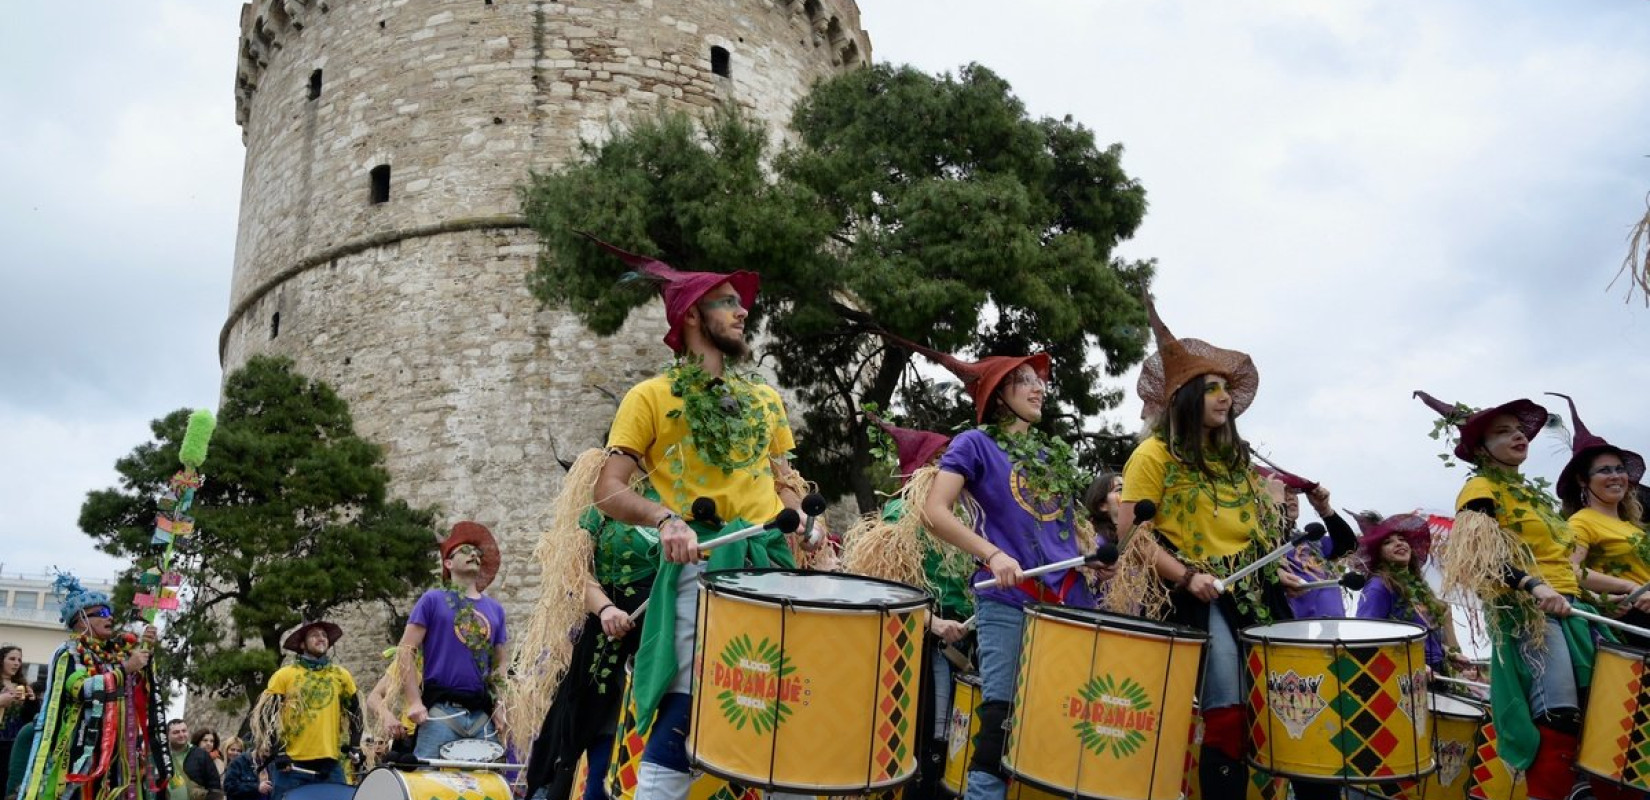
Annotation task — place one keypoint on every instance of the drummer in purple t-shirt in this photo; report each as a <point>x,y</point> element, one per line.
<point>1022,496</point>
<point>461,635</point>
<point>1314,560</point>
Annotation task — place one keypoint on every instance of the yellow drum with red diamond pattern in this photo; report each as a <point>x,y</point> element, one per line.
<point>807,682</point>
<point>1103,704</point>
<point>1341,700</point>
<point>1615,738</point>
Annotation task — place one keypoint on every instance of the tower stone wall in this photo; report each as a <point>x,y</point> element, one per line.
<point>415,307</point>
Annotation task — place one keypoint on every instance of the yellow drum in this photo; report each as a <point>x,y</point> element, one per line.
<point>445,784</point>
<point>1340,700</point>
<point>627,760</point>
<point>1615,738</point>
<point>807,682</point>
<point>960,729</point>
<point>1488,777</point>
<point>1103,705</point>
<point>1262,785</point>
<point>1455,724</point>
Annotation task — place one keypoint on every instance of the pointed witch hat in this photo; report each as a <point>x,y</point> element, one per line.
<point>916,448</point>
<point>681,289</point>
<point>1413,527</point>
<point>1583,447</point>
<point>1531,418</point>
<point>1178,361</point>
<point>980,378</point>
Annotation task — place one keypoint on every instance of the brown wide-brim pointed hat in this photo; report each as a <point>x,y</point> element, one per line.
<point>1470,429</point>
<point>1413,527</point>
<point>1583,446</point>
<point>980,378</point>
<point>916,448</point>
<point>1178,361</point>
<point>476,534</point>
<point>681,289</point>
<point>295,640</point>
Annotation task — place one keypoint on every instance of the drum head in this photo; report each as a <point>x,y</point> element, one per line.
<point>322,791</point>
<point>1334,631</point>
<point>1102,619</point>
<point>476,751</point>
<point>814,589</point>
<point>1445,705</point>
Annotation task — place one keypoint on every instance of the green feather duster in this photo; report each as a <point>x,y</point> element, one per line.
<point>195,439</point>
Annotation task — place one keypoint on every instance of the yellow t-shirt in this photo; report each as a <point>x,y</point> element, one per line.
<point>312,714</point>
<point>1204,519</point>
<point>1538,526</point>
<point>1611,545</point>
<point>651,421</point>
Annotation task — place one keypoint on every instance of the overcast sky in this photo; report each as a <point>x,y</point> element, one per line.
<point>1368,197</point>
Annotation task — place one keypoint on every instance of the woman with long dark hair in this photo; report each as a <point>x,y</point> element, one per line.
<point>1394,553</point>
<point>16,703</point>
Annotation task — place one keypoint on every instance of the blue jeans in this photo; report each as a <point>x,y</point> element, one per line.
<point>1222,665</point>
<point>449,723</point>
<point>999,627</point>
<point>940,668</point>
<point>284,781</point>
<point>1555,687</point>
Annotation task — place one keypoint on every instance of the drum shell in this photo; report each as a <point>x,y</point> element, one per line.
<point>443,784</point>
<point>1615,736</point>
<point>1488,777</point>
<point>802,697</point>
<point>1327,704</point>
<point>1455,729</point>
<point>1262,785</point>
<point>1103,705</point>
<point>627,760</point>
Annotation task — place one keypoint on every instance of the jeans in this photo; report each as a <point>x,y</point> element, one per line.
<point>285,781</point>
<point>1555,687</point>
<point>449,723</point>
<point>940,668</point>
<point>1222,665</point>
<point>999,627</point>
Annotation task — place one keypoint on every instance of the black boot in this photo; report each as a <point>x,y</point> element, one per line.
<point>1222,777</point>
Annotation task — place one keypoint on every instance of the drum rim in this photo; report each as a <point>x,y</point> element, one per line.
<point>1150,627</point>
<point>923,600</point>
<point>1416,634</point>
<point>1626,650</point>
<point>792,788</point>
<point>1483,710</point>
<point>1348,780</point>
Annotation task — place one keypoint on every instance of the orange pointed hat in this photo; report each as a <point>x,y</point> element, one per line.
<point>1178,361</point>
<point>980,378</point>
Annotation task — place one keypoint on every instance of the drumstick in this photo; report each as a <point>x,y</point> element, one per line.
<point>786,519</point>
<point>640,609</point>
<point>1144,511</point>
<point>1462,682</point>
<point>813,505</point>
<point>1351,580</point>
<point>1614,623</point>
<point>1104,554</point>
<point>1313,532</point>
<point>1628,600</point>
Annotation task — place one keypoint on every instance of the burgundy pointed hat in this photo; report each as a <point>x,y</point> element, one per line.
<point>473,533</point>
<point>916,448</point>
<point>681,290</point>
<point>980,378</point>
<point>1583,446</point>
<point>1413,527</point>
<point>1472,424</point>
<point>1178,361</point>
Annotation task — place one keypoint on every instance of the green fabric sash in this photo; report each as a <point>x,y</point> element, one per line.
<point>656,665</point>
<point>1511,680</point>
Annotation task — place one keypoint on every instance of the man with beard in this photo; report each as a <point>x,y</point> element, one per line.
<point>701,429</point>
<point>306,711</point>
<point>97,732</point>
<point>460,633</point>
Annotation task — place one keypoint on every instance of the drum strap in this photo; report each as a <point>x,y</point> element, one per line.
<point>1040,592</point>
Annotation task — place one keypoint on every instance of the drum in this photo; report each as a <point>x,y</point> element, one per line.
<point>960,728</point>
<point>1340,700</point>
<point>1262,785</point>
<point>443,784</point>
<point>627,760</point>
<point>1103,706</point>
<point>1488,777</point>
<point>1455,724</point>
<point>807,682</point>
<point>1615,735</point>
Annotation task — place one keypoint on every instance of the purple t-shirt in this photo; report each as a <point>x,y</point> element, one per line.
<point>1033,533</point>
<point>1377,601</point>
<point>1310,561</point>
<point>449,660</point>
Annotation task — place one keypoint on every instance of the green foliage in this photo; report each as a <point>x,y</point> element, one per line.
<point>292,522</point>
<point>931,206</point>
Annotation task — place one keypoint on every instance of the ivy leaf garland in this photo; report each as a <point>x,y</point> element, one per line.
<point>730,424</point>
<point>1047,464</point>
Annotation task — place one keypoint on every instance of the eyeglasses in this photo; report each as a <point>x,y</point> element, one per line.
<point>103,612</point>
<point>466,550</point>
<point>1028,381</point>
<point>727,302</point>
<point>1618,469</point>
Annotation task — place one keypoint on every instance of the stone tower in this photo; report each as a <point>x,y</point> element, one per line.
<point>381,243</point>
